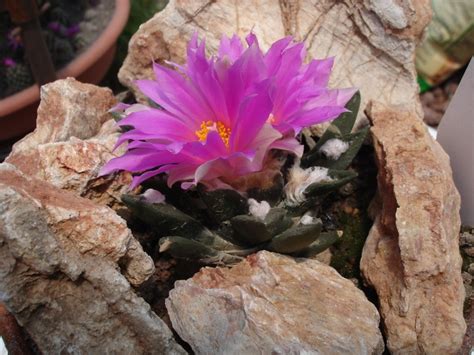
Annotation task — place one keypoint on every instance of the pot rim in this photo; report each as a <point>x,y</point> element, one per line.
<point>97,49</point>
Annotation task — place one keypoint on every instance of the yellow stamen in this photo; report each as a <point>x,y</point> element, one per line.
<point>219,127</point>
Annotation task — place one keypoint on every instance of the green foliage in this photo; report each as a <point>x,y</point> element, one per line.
<point>250,230</point>
<point>295,239</point>
<point>325,240</point>
<point>340,128</point>
<point>217,227</point>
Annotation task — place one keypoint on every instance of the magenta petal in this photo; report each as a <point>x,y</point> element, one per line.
<point>253,113</point>
<point>181,173</point>
<point>156,145</point>
<point>231,48</point>
<point>215,144</point>
<point>137,180</point>
<point>289,144</point>
<point>273,56</point>
<point>291,60</point>
<point>237,88</point>
<point>232,166</point>
<point>212,169</point>
<point>178,95</point>
<point>318,71</point>
<point>196,56</point>
<point>139,160</point>
<point>160,124</point>
<point>134,135</point>
<point>315,116</point>
<point>213,94</point>
<point>262,143</point>
<point>251,39</point>
<point>120,107</point>
<point>240,78</point>
<point>338,97</point>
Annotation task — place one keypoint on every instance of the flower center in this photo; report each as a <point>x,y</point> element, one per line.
<point>211,126</point>
<point>271,119</point>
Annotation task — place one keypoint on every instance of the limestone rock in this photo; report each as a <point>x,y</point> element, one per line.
<point>74,138</point>
<point>74,165</point>
<point>271,303</point>
<point>59,274</point>
<point>411,256</point>
<point>67,109</point>
<point>91,229</point>
<point>368,36</point>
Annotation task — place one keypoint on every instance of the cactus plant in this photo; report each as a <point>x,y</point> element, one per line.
<point>59,21</point>
<point>18,76</point>
<point>223,226</point>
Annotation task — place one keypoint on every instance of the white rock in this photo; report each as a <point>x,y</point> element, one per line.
<point>273,304</point>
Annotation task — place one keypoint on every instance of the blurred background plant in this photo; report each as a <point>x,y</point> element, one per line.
<point>59,21</point>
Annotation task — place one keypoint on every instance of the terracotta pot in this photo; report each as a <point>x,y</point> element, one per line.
<point>18,111</point>
<point>13,336</point>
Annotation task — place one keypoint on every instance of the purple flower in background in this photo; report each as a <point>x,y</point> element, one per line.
<point>72,31</point>
<point>14,39</point>
<point>54,26</point>
<point>69,32</point>
<point>8,62</point>
<point>221,116</point>
<point>300,94</point>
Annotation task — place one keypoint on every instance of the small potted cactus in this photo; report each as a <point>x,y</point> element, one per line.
<point>60,26</point>
<point>223,158</point>
<point>80,37</point>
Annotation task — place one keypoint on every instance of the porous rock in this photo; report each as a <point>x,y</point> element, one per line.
<point>369,36</point>
<point>411,256</point>
<point>59,274</point>
<point>271,303</point>
<point>74,137</point>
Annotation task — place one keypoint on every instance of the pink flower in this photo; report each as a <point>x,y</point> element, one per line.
<point>221,116</point>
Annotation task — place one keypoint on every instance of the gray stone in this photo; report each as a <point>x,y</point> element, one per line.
<point>274,304</point>
<point>59,273</point>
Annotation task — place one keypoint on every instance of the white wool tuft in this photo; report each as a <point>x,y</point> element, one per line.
<point>334,148</point>
<point>258,209</point>
<point>307,219</point>
<point>153,196</point>
<point>299,179</point>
